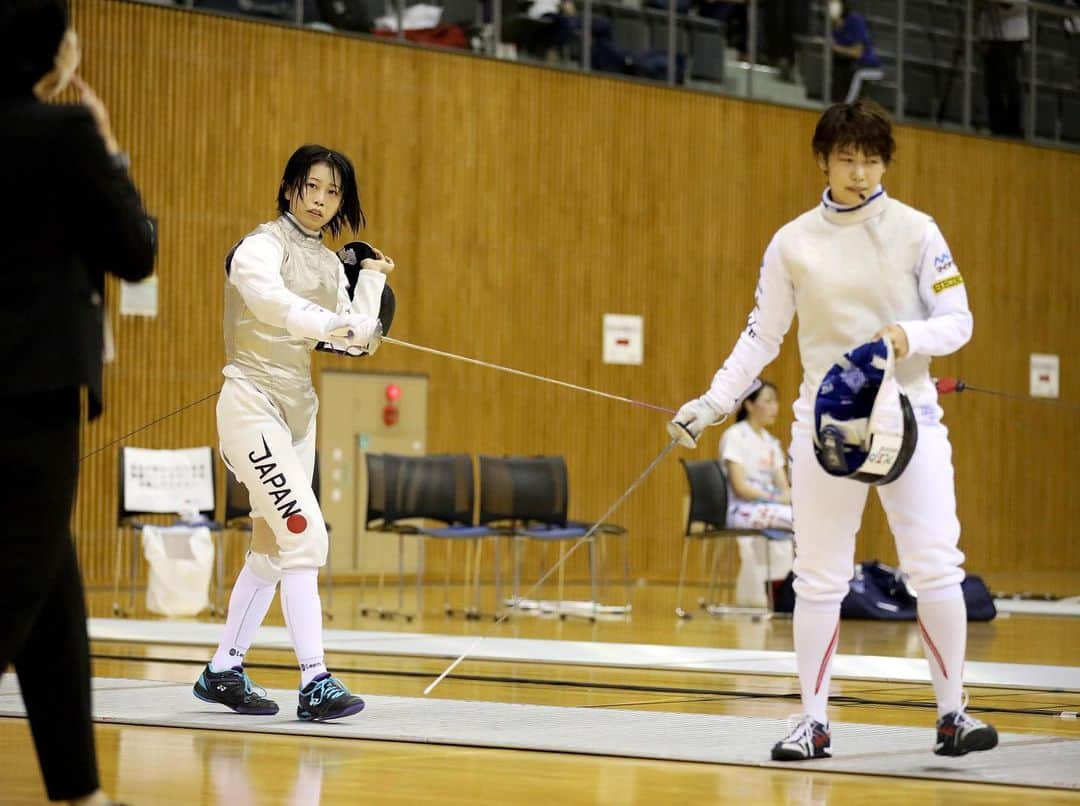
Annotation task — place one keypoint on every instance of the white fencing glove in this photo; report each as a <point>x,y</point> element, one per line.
<point>691,419</point>
<point>354,334</point>
<point>698,414</point>
<point>348,333</point>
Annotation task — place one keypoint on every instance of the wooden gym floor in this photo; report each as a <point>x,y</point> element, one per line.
<point>144,765</point>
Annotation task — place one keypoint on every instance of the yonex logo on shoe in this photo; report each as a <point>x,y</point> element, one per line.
<point>220,687</point>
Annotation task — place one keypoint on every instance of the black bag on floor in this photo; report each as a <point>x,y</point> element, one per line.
<point>878,591</point>
<point>979,601</point>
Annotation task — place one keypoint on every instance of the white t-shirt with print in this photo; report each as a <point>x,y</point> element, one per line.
<point>760,455</point>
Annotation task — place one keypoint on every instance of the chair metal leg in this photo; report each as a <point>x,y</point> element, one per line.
<point>133,558</point>
<point>499,607</point>
<point>466,578</point>
<point>603,548</point>
<point>768,577</point>
<point>421,558</point>
<point>475,587</point>
<point>679,610</point>
<point>401,577</point>
<point>448,608</point>
<point>703,600</point>
<point>118,565</point>
<point>379,595</point>
<point>517,568</point>
<point>360,540</point>
<point>562,581</point>
<point>592,577</point>
<point>625,540</point>
<point>710,597</point>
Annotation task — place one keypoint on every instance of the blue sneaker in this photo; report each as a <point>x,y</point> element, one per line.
<point>234,689</point>
<point>326,698</point>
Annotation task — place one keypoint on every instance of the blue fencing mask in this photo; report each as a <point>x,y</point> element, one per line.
<point>864,427</point>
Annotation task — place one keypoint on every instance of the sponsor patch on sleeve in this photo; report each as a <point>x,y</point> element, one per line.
<point>948,282</point>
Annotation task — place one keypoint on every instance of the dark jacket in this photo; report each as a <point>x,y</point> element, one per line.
<point>73,215</point>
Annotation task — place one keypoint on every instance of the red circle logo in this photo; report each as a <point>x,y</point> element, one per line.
<point>296,523</point>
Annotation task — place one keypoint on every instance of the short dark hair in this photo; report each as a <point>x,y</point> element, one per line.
<point>296,174</point>
<point>862,124</point>
<point>753,396</point>
<point>30,34</point>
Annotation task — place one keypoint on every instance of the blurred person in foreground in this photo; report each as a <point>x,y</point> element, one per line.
<point>76,215</point>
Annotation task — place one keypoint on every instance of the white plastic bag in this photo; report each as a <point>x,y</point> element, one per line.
<point>181,560</point>
<point>750,584</point>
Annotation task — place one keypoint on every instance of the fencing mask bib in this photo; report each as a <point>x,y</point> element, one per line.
<point>864,427</point>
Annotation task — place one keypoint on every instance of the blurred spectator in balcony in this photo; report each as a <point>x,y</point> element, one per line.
<point>854,59</point>
<point>733,15</point>
<point>544,29</point>
<point>1003,27</point>
<point>784,19</point>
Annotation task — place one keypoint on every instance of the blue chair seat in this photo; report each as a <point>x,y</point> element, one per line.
<point>603,528</point>
<point>553,532</point>
<point>778,534</point>
<point>462,532</point>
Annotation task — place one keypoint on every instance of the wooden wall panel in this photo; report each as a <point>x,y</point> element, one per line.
<point>523,203</point>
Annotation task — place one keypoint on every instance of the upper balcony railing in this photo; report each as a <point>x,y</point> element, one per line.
<point>999,68</point>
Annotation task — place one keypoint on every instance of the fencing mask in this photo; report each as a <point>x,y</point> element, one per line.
<point>864,427</point>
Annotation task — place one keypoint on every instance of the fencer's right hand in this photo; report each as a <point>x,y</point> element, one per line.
<point>380,263</point>
<point>353,333</point>
<point>692,419</point>
<point>90,99</point>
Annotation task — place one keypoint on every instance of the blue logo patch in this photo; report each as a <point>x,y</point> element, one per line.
<point>943,262</point>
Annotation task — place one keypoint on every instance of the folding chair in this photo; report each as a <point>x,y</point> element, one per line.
<point>707,520</point>
<point>439,488</point>
<point>159,482</point>
<point>375,521</point>
<point>529,496</point>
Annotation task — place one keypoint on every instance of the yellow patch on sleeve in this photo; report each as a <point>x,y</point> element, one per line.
<point>948,282</point>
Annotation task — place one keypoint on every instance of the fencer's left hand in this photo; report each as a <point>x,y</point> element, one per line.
<point>380,263</point>
<point>897,337</point>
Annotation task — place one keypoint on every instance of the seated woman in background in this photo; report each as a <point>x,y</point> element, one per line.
<point>759,496</point>
<point>854,57</point>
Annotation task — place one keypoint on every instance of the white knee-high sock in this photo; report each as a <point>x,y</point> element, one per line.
<point>302,607</point>
<point>817,632</point>
<point>943,629</point>
<point>250,599</point>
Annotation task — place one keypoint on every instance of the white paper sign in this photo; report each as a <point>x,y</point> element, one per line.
<point>1044,375</point>
<point>168,481</point>
<point>139,299</point>
<point>624,340</point>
